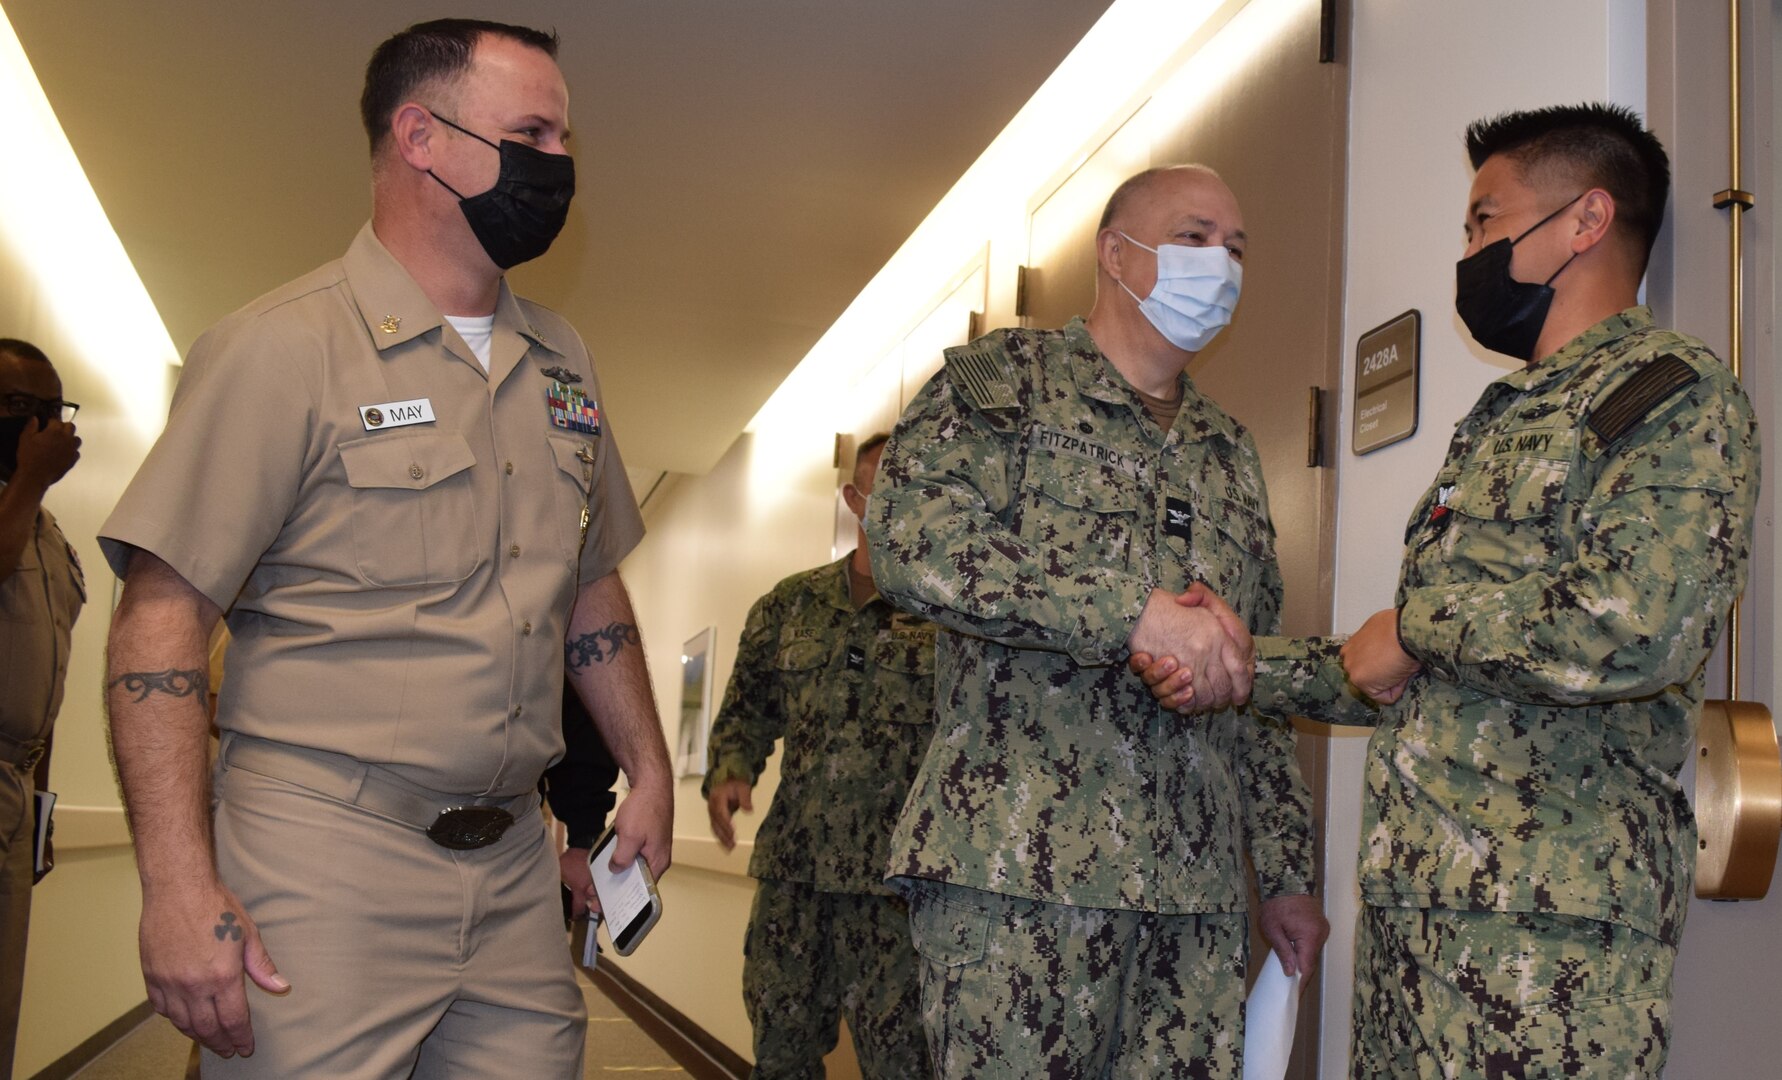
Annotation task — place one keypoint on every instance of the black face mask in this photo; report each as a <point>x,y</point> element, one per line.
<point>1503,314</point>
<point>517,219</point>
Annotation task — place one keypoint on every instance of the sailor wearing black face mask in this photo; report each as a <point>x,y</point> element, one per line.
<point>41,593</point>
<point>1537,683</point>
<point>398,478</point>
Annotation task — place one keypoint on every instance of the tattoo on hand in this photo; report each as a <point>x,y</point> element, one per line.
<point>172,682</point>
<point>599,646</point>
<point>228,929</point>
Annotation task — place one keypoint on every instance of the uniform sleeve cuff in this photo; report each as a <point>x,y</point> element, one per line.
<point>1281,664</point>
<point>726,769</point>
<point>1105,621</point>
<point>1430,633</point>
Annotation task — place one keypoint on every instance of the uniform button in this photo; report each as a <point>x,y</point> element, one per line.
<point>514,552</point>
<point>510,468</point>
<point>526,630</point>
<point>519,709</point>
<point>415,471</point>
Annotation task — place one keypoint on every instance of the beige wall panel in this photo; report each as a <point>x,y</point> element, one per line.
<point>81,968</point>
<point>1061,237</point>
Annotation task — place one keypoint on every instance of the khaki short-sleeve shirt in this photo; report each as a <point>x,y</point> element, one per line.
<point>396,534</point>
<point>39,602</point>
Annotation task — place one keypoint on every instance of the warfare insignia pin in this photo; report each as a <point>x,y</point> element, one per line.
<point>563,375</point>
<point>572,409</point>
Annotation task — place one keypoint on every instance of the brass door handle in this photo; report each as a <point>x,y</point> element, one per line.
<point>1738,801</point>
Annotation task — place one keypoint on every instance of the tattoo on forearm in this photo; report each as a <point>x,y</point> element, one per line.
<point>172,682</point>
<point>229,928</point>
<point>599,646</point>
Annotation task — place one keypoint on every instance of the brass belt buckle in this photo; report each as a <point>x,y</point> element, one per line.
<point>463,828</point>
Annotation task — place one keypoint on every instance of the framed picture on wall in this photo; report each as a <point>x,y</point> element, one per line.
<point>696,702</point>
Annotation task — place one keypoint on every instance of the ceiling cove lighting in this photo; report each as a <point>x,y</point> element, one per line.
<point>1137,48</point>
<point>60,239</point>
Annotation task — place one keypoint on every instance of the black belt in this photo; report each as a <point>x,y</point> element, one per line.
<point>459,822</point>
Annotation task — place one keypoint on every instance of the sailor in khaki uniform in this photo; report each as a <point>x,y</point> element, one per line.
<point>397,479</point>
<point>41,593</point>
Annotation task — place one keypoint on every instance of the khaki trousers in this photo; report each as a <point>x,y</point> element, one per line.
<point>405,958</point>
<point>17,820</point>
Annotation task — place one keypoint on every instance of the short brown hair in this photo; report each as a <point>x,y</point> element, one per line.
<point>425,53</point>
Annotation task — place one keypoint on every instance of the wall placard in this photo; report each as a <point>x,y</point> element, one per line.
<point>1386,377</point>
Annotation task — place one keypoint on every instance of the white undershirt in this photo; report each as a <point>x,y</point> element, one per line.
<point>477,331</point>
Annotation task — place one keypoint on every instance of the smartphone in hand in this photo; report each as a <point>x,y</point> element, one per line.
<point>629,903</point>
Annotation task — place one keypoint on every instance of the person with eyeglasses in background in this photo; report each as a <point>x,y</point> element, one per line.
<point>41,593</point>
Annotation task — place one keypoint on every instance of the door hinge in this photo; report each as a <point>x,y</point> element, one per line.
<point>1314,427</point>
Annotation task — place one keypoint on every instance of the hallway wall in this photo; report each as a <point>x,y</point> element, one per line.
<point>67,286</point>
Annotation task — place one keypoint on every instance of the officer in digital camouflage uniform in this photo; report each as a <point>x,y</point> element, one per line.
<point>1527,852</point>
<point>848,682</point>
<point>1074,854</point>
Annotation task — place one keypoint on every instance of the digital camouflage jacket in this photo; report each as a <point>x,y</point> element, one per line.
<point>852,694</point>
<point>1029,504</point>
<point>1564,581</point>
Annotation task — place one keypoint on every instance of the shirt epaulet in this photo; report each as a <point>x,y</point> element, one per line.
<point>981,373</point>
<point>1627,406</point>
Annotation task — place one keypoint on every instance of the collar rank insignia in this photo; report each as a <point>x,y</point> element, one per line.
<point>1178,518</point>
<point>572,409</point>
<point>562,374</point>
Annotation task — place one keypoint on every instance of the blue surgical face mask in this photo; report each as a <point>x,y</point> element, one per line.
<point>1196,292</point>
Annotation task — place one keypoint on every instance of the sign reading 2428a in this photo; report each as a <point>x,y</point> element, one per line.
<point>1386,377</point>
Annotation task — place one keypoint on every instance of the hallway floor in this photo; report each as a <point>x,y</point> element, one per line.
<point>616,1047</point>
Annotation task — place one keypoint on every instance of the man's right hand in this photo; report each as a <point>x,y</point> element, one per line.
<point>196,945</point>
<point>725,799</point>
<point>46,454</point>
<point>1193,651</point>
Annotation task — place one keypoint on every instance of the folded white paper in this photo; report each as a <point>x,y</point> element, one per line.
<point>1269,1019</point>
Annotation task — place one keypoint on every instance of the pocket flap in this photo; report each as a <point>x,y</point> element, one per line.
<point>414,462</point>
<point>567,450</point>
<point>909,652</point>
<point>948,934</point>
<point>1082,484</point>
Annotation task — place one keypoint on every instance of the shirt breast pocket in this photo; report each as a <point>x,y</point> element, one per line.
<point>1077,512</point>
<point>575,479</point>
<point>414,514</point>
<point>1508,517</point>
<point>903,671</point>
<point>21,595</point>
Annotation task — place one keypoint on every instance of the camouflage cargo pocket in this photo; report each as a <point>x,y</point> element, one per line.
<point>945,934</point>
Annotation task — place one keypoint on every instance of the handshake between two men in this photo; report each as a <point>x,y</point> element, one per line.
<point>1196,654</point>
